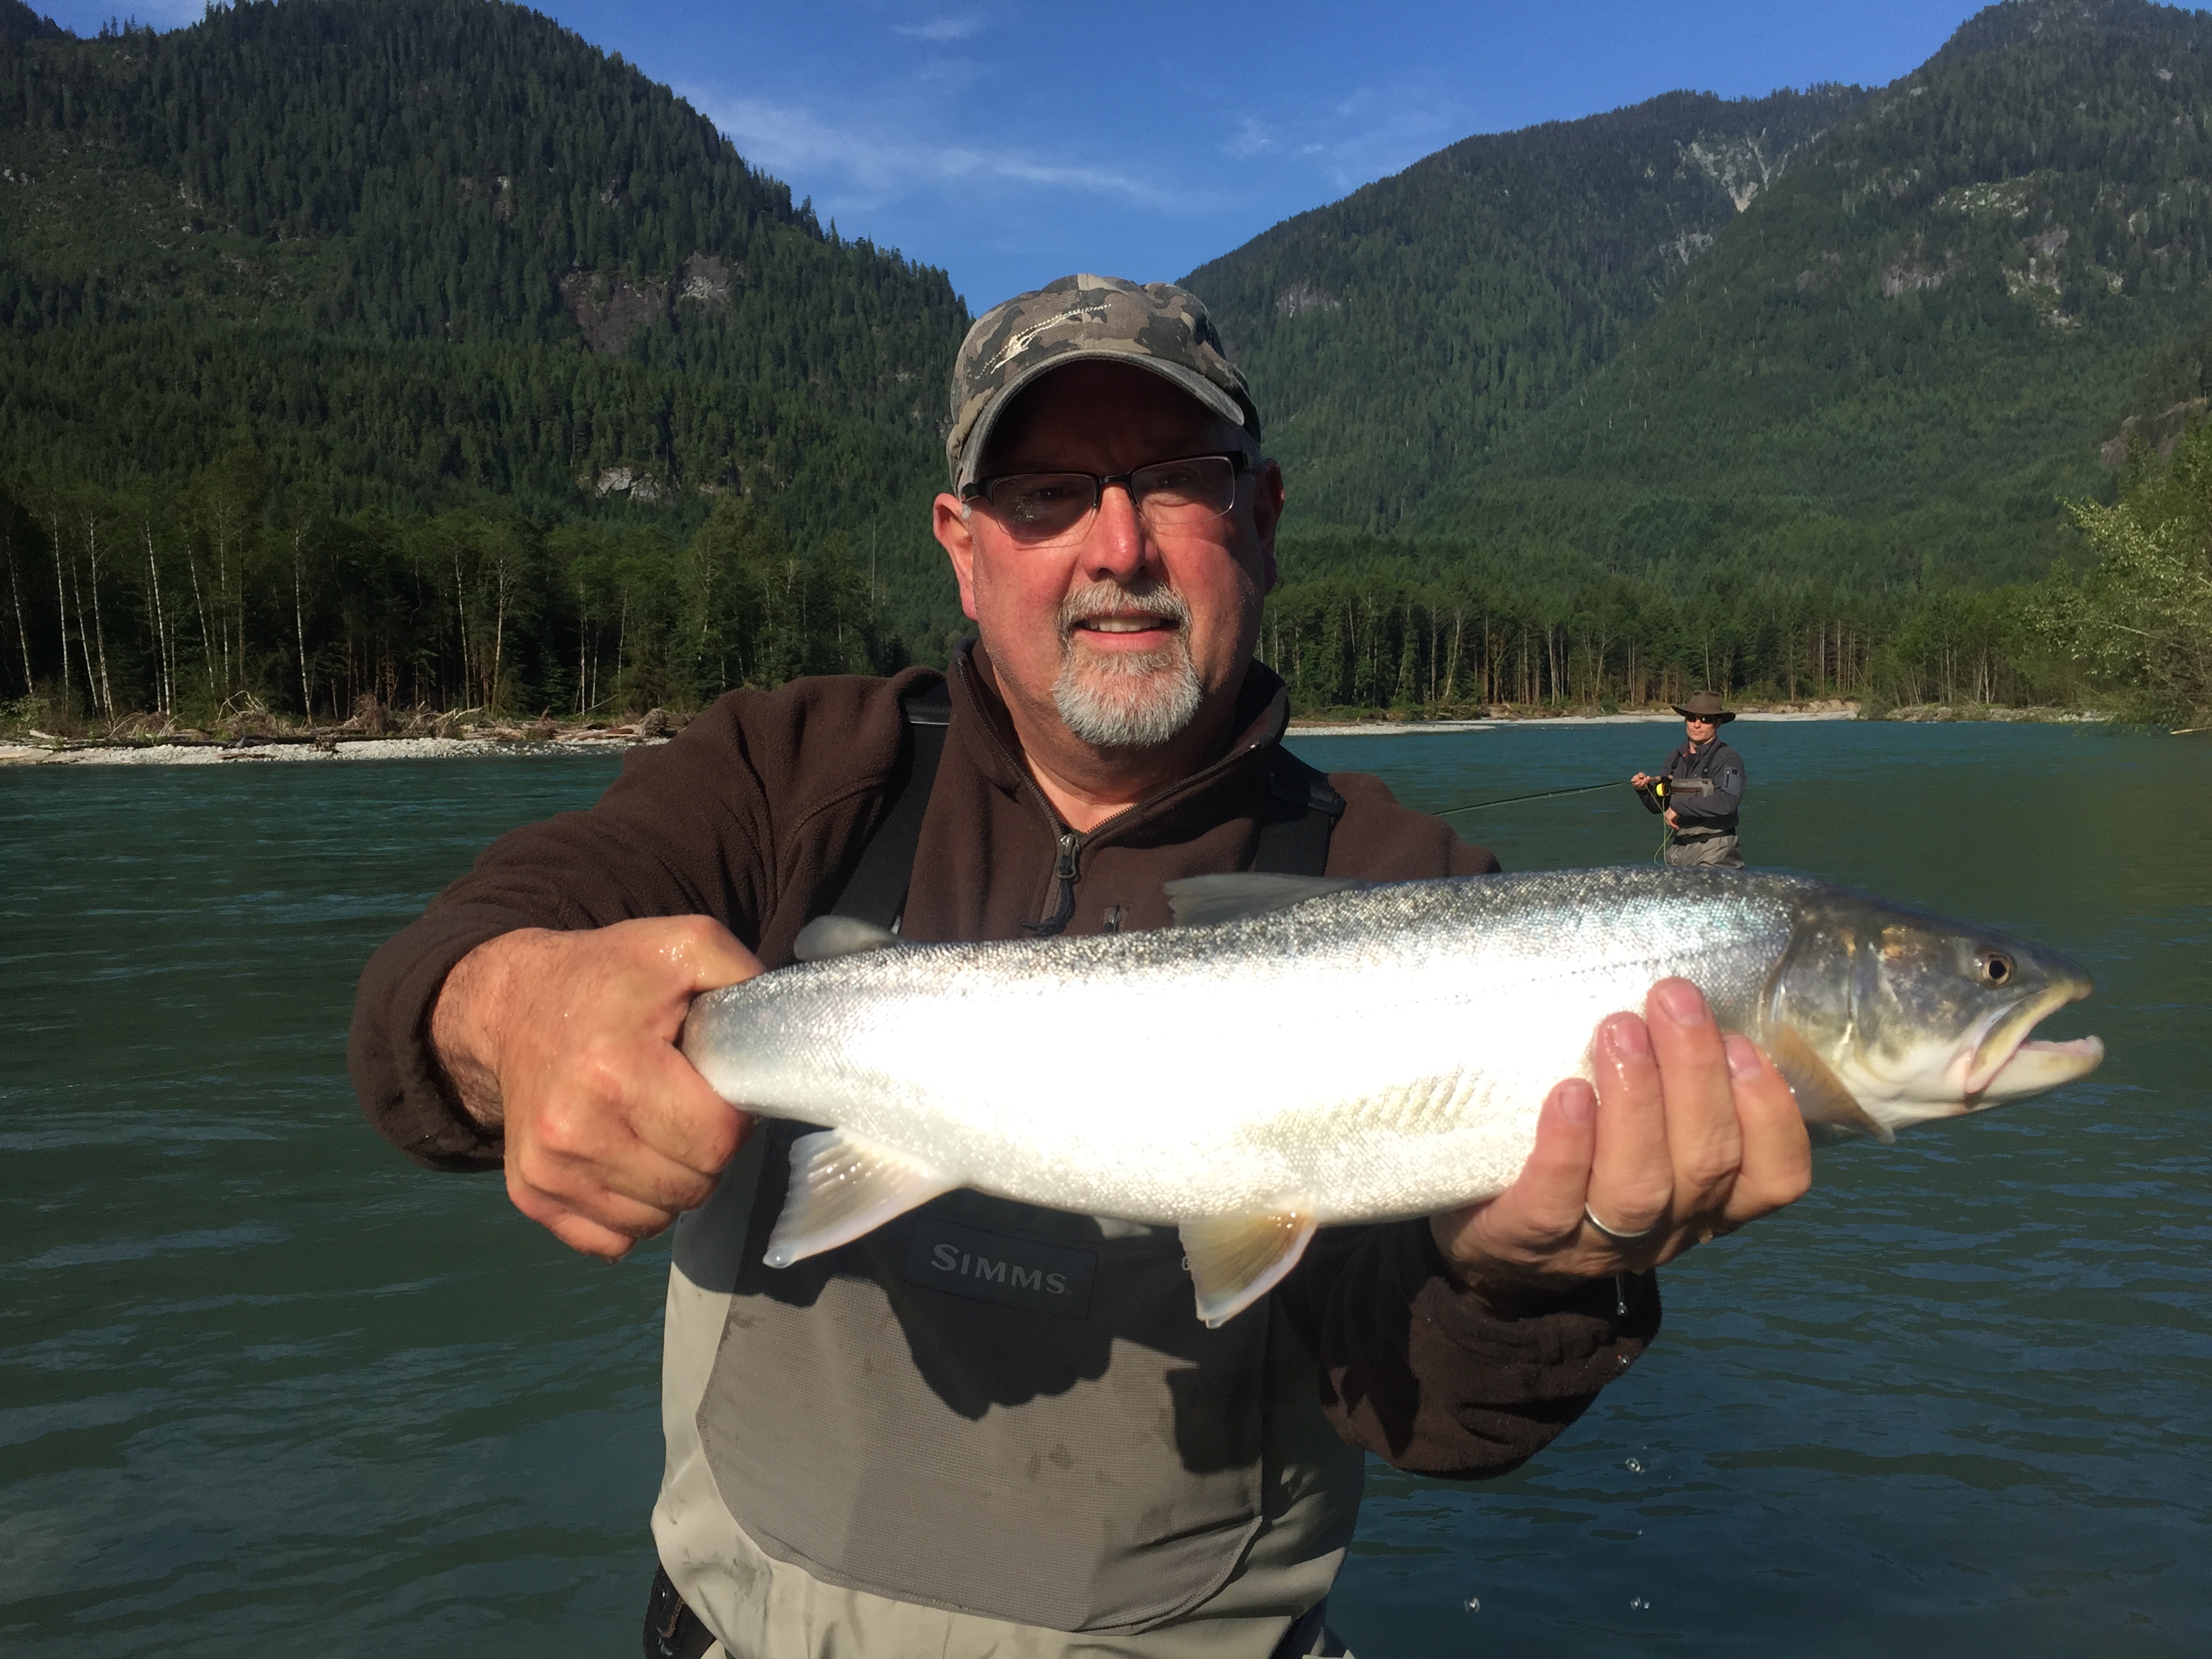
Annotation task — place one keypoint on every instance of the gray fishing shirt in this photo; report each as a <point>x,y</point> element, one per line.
<point>1715,763</point>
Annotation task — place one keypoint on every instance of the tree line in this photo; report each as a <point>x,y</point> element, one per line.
<point>216,604</point>
<point>1443,628</point>
<point>1461,643</point>
<point>229,595</point>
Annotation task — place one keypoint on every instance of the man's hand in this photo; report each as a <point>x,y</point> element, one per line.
<point>1669,815</point>
<point>1685,1135</point>
<point>1641,780</point>
<point>566,1042</point>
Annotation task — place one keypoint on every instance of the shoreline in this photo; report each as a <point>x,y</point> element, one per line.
<point>250,749</point>
<point>1407,728</point>
<point>207,750</point>
<point>1914,714</point>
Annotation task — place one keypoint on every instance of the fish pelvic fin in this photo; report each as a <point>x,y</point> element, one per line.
<point>1236,1260</point>
<point>1203,901</point>
<point>842,1186</point>
<point>1829,1108</point>
<point>840,936</point>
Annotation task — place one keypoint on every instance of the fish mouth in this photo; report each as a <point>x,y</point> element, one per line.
<point>2009,1065</point>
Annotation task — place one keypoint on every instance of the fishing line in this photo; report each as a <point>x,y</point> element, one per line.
<point>1666,834</point>
<point>1541,794</point>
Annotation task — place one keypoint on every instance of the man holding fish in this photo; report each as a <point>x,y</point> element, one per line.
<point>933,1378</point>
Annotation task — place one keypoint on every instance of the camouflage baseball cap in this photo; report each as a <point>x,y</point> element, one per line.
<point>1154,325</point>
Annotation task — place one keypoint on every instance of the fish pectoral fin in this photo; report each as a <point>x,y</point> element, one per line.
<point>1236,1260</point>
<point>842,1186</point>
<point>1830,1110</point>
<point>1203,901</point>
<point>840,936</point>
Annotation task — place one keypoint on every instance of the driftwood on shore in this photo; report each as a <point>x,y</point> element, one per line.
<point>374,733</point>
<point>369,725</point>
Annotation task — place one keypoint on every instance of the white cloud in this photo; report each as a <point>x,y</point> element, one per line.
<point>1369,133</point>
<point>957,26</point>
<point>787,140</point>
<point>1251,138</point>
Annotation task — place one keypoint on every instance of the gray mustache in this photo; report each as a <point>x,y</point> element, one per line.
<point>1106,598</point>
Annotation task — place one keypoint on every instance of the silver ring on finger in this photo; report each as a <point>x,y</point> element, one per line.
<point>1614,1233</point>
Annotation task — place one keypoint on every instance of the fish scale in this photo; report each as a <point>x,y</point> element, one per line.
<point>1309,1051</point>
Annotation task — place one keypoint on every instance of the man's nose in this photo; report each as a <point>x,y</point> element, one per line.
<point>1119,546</point>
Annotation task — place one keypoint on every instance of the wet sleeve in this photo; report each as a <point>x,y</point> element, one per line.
<point>1437,1381</point>
<point>685,830</point>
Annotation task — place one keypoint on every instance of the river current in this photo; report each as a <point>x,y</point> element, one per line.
<point>265,1387</point>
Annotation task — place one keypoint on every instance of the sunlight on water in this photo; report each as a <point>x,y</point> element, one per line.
<point>268,1388</point>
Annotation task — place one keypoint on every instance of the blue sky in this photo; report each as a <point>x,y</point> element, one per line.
<point>1010,143</point>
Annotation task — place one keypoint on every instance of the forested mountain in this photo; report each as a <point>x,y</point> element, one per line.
<point>1907,352</point>
<point>413,254</point>
<point>400,174</point>
<point>1397,336</point>
<point>417,351</point>
<point>1896,358</point>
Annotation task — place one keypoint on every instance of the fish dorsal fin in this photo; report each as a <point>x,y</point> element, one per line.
<point>1202,901</point>
<point>1829,1108</point>
<point>1236,1260</point>
<point>840,936</point>
<point>842,1186</point>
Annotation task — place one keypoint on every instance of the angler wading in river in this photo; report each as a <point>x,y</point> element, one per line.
<point>1699,789</point>
<point>984,1426</point>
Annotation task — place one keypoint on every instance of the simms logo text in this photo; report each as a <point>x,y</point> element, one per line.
<point>950,1259</point>
<point>1004,1268</point>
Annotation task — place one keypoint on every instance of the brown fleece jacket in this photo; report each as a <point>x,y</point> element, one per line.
<point>756,816</point>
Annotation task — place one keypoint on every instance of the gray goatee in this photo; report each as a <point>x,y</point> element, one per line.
<point>1125,699</point>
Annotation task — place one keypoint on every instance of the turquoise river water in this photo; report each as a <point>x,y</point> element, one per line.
<point>266,1388</point>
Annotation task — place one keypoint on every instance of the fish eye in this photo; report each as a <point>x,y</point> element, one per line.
<point>1995,967</point>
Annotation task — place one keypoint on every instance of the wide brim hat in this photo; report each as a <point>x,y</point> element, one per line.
<point>1704,706</point>
<point>1150,325</point>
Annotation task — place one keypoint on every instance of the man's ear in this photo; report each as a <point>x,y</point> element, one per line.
<point>957,538</point>
<point>1266,513</point>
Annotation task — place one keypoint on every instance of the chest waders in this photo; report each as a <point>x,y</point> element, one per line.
<point>993,1408</point>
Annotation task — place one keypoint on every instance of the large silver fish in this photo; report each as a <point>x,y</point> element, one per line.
<point>1298,1051</point>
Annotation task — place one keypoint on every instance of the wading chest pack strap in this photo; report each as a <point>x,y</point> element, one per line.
<point>877,890</point>
<point>1294,839</point>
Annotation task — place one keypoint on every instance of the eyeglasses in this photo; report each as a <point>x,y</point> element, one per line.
<point>1172,497</point>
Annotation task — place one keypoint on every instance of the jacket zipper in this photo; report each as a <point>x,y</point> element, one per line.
<point>1063,872</point>
<point>1070,843</point>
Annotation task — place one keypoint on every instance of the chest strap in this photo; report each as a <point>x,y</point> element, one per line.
<point>1294,836</point>
<point>877,889</point>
